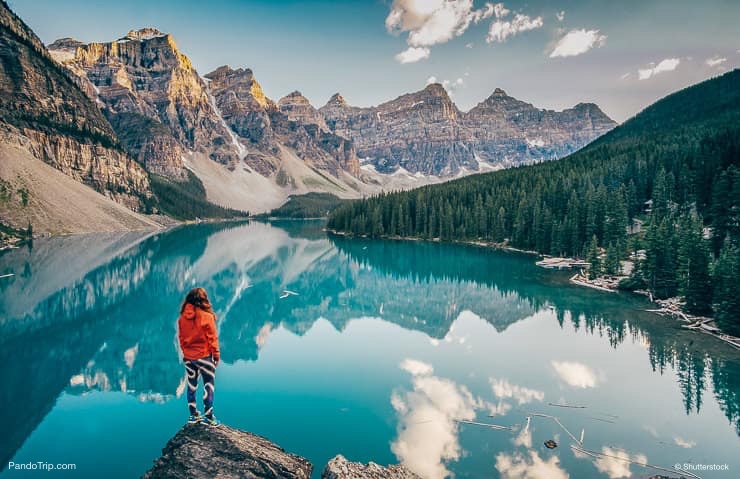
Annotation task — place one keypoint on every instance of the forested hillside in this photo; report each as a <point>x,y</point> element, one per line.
<point>674,166</point>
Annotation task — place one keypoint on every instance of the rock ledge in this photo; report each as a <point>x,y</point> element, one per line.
<point>199,451</point>
<point>341,468</point>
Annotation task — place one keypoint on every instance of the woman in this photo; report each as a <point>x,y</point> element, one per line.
<point>199,343</point>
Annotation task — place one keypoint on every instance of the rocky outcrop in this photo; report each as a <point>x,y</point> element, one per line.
<point>425,132</point>
<point>203,452</point>
<point>243,104</point>
<point>39,101</point>
<point>297,108</point>
<point>145,74</point>
<point>341,468</point>
<point>198,451</point>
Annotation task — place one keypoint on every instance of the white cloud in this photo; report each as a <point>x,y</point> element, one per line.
<point>500,409</point>
<point>560,15</point>
<point>617,465</point>
<point>503,389</point>
<point>577,42</point>
<point>575,374</point>
<point>681,442</point>
<point>519,466</point>
<point>428,427</point>
<point>416,367</point>
<point>500,11</point>
<point>501,29</point>
<point>667,65</point>
<point>431,22</point>
<point>524,438</point>
<point>413,54</point>
<point>469,45</point>
<point>451,86</point>
<point>715,61</point>
<point>625,76</point>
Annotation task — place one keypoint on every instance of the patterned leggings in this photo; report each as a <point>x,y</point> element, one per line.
<point>207,368</point>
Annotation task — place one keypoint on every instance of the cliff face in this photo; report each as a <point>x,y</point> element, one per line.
<point>40,102</point>
<point>425,132</point>
<point>266,125</point>
<point>509,131</point>
<point>144,75</point>
<point>418,131</point>
<point>301,126</point>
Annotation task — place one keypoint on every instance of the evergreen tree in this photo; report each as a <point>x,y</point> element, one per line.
<point>694,281</point>
<point>612,263</point>
<point>726,277</point>
<point>593,258</point>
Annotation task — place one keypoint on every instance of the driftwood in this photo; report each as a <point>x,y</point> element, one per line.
<point>596,454</point>
<point>492,426</point>
<point>583,281</point>
<point>566,405</point>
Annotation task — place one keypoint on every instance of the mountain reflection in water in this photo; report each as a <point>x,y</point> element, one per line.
<point>98,313</point>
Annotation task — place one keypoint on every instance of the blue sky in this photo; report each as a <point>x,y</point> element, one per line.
<point>622,55</point>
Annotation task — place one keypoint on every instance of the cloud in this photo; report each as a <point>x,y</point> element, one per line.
<point>413,55</point>
<point>501,29</point>
<point>625,76</point>
<point>614,462</point>
<point>577,42</point>
<point>469,45</point>
<point>503,389</point>
<point>519,466</point>
<point>428,414</point>
<point>524,438</point>
<point>560,15</point>
<point>667,65</point>
<point>715,61</point>
<point>416,367</point>
<point>575,374</point>
<point>500,11</point>
<point>500,409</point>
<point>431,22</point>
<point>681,442</point>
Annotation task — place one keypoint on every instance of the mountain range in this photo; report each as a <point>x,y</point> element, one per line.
<point>133,120</point>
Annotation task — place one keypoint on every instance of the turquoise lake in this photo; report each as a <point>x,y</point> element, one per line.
<point>383,353</point>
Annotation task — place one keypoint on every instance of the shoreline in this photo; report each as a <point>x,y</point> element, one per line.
<point>670,306</point>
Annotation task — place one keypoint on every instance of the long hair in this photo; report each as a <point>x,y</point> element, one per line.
<point>198,298</point>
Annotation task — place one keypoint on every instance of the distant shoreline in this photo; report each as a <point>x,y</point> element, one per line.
<point>677,314</point>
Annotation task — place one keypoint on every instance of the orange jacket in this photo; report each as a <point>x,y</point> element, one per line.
<point>197,333</point>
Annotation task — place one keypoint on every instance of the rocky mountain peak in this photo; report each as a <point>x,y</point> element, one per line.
<point>591,109</point>
<point>498,92</point>
<point>436,89</point>
<point>337,100</point>
<point>146,33</point>
<point>294,97</point>
<point>242,87</point>
<point>66,43</point>
<point>297,108</point>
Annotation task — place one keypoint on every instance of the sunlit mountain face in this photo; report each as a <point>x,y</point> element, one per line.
<point>394,350</point>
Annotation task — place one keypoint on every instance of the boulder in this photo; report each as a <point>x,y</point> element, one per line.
<point>199,451</point>
<point>341,468</point>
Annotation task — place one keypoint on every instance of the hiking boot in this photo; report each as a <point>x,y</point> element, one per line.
<point>210,421</point>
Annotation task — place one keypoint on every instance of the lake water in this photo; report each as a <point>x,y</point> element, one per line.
<point>384,349</point>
